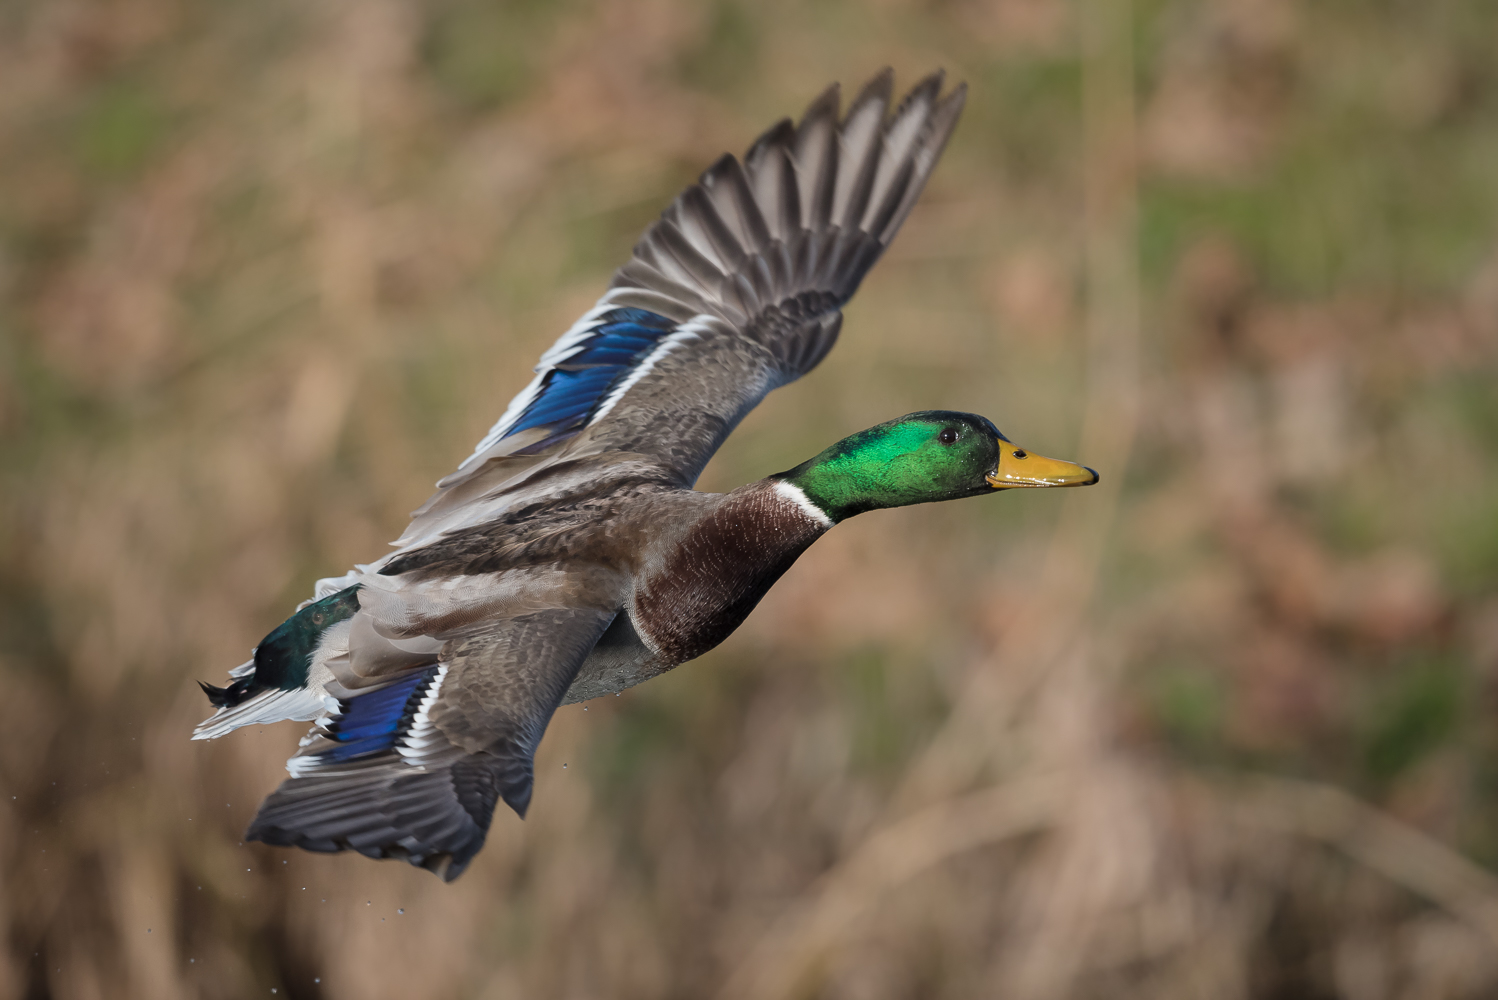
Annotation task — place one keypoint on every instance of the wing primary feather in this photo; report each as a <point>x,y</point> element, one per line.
<point>805,256</point>
<point>763,279</point>
<point>699,206</point>
<point>712,184</point>
<point>693,229</point>
<point>816,160</point>
<point>674,255</point>
<point>769,170</point>
<point>777,263</point>
<point>746,293</point>
<point>791,203</point>
<point>859,148</point>
<point>926,90</point>
<point>881,212</point>
<point>730,191</point>
<point>694,265</point>
<point>901,136</point>
<point>934,138</point>
<point>777,136</point>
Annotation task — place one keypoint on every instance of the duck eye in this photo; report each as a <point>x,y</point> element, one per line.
<point>947,436</point>
<point>317,618</point>
<point>1020,453</point>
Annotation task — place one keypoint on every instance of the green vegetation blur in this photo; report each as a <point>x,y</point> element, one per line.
<point>1223,726</point>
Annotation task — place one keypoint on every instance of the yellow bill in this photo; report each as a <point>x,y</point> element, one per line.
<point>1020,468</point>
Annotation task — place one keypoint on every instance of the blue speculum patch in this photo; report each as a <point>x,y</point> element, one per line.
<point>573,390</point>
<point>372,722</point>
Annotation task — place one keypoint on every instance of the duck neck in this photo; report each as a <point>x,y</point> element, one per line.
<point>855,474</point>
<point>813,510</point>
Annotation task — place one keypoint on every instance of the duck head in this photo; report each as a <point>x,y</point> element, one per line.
<point>921,458</point>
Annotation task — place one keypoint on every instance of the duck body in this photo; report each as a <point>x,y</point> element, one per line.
<point>678,569</point>
<point>569,556</point>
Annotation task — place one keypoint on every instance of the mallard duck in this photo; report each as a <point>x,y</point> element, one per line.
<point>569,556</point>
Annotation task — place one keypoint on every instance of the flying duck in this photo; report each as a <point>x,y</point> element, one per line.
<point>569,556</point>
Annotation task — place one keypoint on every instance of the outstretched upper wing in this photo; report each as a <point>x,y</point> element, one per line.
<point>734,291</point>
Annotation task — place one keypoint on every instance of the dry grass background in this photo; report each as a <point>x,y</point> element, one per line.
<point>1221,727</point>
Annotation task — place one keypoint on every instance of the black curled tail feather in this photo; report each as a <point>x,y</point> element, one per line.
<point>282,659</point>
<point>229,695</point>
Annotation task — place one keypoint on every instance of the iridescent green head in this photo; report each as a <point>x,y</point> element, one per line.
<point>920,458</point>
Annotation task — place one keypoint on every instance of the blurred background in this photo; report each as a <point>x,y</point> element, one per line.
<point>1220,727</point>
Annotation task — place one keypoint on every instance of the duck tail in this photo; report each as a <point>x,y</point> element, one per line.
<point>224,697</point>
<point>243,702</point>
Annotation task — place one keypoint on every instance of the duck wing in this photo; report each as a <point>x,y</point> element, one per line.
<point>412,768</point>
<point>735,290</point>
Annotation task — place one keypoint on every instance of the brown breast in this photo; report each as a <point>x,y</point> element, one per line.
<point>721,568</point>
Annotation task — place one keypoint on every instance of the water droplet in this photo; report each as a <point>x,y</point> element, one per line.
<point>401,910</point>
<point>317,979</point>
